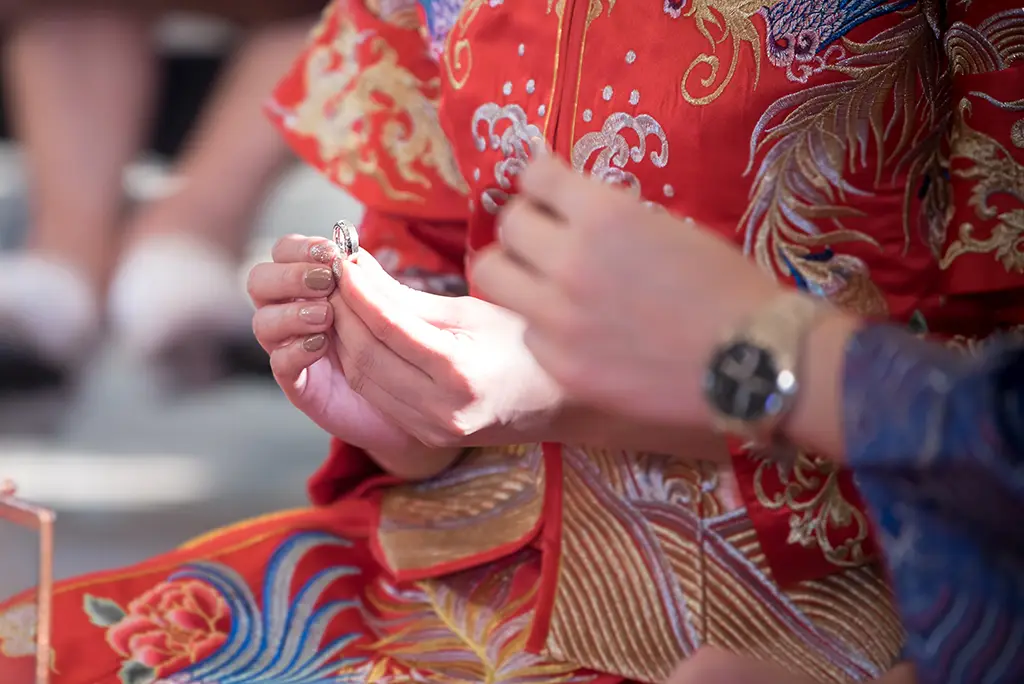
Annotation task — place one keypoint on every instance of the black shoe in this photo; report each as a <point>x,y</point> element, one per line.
<point>23,370</point>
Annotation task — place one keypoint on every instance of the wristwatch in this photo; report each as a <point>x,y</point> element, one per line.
<point>753,376</point>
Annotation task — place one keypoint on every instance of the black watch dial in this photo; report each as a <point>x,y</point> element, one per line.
<point>743,382</point>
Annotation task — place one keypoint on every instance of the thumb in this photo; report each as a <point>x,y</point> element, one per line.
<point>437,310</point>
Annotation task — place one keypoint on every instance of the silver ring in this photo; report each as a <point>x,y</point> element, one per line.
<point>346,237</point>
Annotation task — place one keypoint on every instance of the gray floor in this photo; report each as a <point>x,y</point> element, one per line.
<point>133,470</point>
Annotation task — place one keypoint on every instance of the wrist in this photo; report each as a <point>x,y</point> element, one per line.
<point>815,422</point>
<point>416,461</point>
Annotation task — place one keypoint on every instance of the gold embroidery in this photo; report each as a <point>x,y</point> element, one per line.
<point>974,346</point>
<point>614,152</point>
<point>457,55</point>
<point>993,45</point>
<point>1017,133</point>
<point>468,628</point>
<point>829,128</point>
<point>809,488</point>
<point>344,96</point>
<point>18,631</point>
<point>490,499</point>
<point>652,567</point>
<point>595,8</point>
<point>733,19</point>
<point>994,172</point>
<point>619,607</point>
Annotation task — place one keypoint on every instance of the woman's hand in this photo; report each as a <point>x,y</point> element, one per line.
<point>451,371</point>
<point>294,324</point>
<point>624,304</point>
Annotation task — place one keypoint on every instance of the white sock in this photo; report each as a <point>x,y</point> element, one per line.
<point>170,288</point>
<point>49,305</point>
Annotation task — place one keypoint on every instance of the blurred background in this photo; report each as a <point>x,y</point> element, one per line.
<point>133,400</point>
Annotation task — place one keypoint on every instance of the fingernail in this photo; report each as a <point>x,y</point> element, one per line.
<point>314,343</point>
<point>323,252</point>
<point>314,313</point>
<point>319,279</point>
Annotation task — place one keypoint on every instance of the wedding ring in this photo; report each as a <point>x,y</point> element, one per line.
<point>347,239</point>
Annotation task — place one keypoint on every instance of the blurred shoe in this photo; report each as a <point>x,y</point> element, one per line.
<point>180,304</point>
<point>49,322</point>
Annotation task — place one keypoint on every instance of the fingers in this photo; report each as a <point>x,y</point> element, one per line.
<point>276,324</point>
<point>434,308</point>
<point>280,282</point>
<point>713,666</point>
<point>301,248</point>
<point>290,362</point>
<point>394,322</point>
<point>550,183</point>
<point>534,236</point>
<point>507,283</point>
<point>366,360</point>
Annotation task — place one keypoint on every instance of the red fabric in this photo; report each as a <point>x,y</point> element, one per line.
<point>793,562</point>
<point>701,110</point>
<point>712,161</point>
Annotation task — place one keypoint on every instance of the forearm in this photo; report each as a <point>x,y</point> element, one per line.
<point>595,428</point>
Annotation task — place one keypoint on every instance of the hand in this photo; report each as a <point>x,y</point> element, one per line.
<point>714,666</point>
<point>294,324</point>
<point>451,371</point>
<point>624,304</point>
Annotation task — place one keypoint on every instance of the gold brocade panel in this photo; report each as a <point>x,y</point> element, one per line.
<point>655,564</point>
<point>492,499</point>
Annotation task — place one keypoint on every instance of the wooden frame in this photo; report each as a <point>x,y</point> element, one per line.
<point>41,520</point>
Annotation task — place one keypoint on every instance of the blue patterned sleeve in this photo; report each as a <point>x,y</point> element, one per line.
<point>936,441</point>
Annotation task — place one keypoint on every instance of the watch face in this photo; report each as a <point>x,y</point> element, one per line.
<point>743,382</point>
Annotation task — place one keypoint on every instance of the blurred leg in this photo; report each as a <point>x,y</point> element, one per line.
<point>177,287</point>
<point>80,87</point>
<point>234,156</point>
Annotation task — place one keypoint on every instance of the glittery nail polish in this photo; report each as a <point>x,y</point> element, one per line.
<point>323,252</point>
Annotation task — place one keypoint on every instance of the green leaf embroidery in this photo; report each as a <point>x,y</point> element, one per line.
<point>102,612</point>
<point>136,673</point>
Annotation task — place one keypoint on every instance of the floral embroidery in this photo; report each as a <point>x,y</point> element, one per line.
<point>204,625</point>
<point>171,626</point>
<point>513,143</point>
<point>18,631</point>
<point>614,152</point>
<point>809,488</point>
<point>344,95</point>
